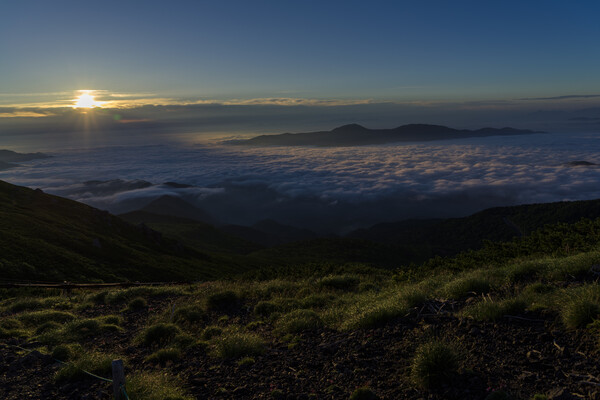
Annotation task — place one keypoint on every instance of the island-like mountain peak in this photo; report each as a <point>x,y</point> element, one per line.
<point>358,135</point>
<point>349,128</point>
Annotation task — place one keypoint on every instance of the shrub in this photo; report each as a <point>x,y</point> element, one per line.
<point>264,308</point>
<point>136,304</point>
<point>222,301</point>
<point>363,393</point>
<point>434,363</point>
<point>191,314</point>
<point>339,282</point>
<point>164,355</point>
<point>238,344</point>
<point>155,386</point>
<point>211,331</point>
<point>159,334</point>
<point>298,321</point>
<point>460,288</point>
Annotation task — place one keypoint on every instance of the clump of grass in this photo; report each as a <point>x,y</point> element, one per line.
<point>539,288</point>
<point>239,344</point>
<point>137,304</point>
<point>265,308</point>
<point>12,328</point>
<point>155,386</point>
<point>460,288</point>
<point>82,328</point>
<point>277,287</point>
<point>96,363</point>
<point>298,321</point>
<point>539,396</point>
<point>413,297</point>
<point>100,297</point>
<point>163,356</point>
<point>159,334</point>
<point>491,310</point>
<point>26,305</point>
<point>211,331</point>
<point>499,395</point>
<point>374,314</point>
<point>47,327</point>
<point>67,352</point>
<point>184,341</point>
<point>340,282</point>
<point>317,300</point>
<point>223,301</point>
<point>434,363</point>
<point>523,272</point>
<point>363,393</point>
<point>246,361</point>
<point>580,308</point>
<point>110,319</point>
<point>36,318</point>
<point>189,315</point>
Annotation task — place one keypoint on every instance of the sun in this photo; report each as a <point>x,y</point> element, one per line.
<point>86,100</point>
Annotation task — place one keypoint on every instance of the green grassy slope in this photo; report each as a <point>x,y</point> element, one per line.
<point>44,237</point>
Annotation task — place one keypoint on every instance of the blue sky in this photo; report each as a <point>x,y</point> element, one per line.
<point>401,51</point>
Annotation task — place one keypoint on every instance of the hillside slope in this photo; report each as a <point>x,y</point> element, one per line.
<point>45,237</point>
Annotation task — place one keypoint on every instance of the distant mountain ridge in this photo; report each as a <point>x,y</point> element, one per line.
<point>9,157</point>
<point>358,135</point>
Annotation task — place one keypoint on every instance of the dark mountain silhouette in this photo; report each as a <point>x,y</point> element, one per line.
<point>269,233</point>
<point>580,163</point>
<point>198,235</point>
<point>12,156</point>
<point>357,135</point>
<point>177,207</point>
<point>46,237</point>
<point>453,235</point>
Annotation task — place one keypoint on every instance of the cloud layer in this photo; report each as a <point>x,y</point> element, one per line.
<point>327,189</point>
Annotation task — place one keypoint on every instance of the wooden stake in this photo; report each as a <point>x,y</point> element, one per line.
<point>118,375</point>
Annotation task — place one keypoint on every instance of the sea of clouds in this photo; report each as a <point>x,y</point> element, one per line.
<point>326,189</point>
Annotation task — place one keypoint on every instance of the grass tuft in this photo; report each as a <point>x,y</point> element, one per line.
<point>155,386</point>
<point>364,393</point>
<point>434,363</point>
<point>462,287</point>
<point>137,304</point>
<point>580,308</point>
<point>239,344</point>
<point>298,321</point>
<point>163,356</point>
<point>159,334</point>
<point>223,301</point>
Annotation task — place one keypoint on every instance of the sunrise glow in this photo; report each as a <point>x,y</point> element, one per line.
<point>86,100</point>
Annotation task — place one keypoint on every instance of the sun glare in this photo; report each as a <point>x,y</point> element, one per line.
<point>86,100</point>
